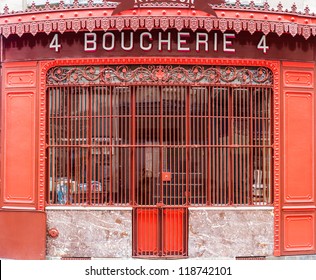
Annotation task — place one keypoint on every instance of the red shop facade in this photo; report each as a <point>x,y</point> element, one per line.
<point>157,129</point>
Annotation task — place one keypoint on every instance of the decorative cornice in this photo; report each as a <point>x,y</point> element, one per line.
<point>159,74</point>
<point>92,17</point>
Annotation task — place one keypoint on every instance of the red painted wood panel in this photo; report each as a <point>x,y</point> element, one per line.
<point>173,230</point>
<point>298,211</point>
<point>22,235</point>
<point>21,79</point>
<point>300,232</point>
<point>147,231</point>
<point>22,230</point>
<point>19,186</point>
<point>295,78</point>
<point>299,148</point>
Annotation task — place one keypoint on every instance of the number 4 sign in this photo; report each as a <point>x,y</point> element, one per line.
<point>263,44</point>
<point>54,44</point>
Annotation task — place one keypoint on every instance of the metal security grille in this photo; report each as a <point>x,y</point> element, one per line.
<point>160,138</point>
<point>89,156</point>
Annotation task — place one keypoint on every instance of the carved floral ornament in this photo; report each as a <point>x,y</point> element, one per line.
<point>158,74</point>
<point>150,14</point>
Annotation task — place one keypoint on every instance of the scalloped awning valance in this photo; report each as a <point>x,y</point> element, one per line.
<point>74,18</point>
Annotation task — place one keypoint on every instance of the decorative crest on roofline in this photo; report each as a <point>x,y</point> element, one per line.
<point>202,5</point>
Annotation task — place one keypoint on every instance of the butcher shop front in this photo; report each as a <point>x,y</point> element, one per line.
<point>162,130</point>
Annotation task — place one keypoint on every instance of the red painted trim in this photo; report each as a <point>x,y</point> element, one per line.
<point>298,64</point>
<point>41,132</point>
<point>277,159</point>
<point>45,65</point>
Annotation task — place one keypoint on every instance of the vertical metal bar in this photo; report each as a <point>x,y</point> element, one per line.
<point>256,149</point>
<point>54,142</point>
<point>237,122</point>
<point>209,142</point>
<point>176,113</point>
<point>260,136</point>
<point>185,195</point>
<point>68,142</point>
<point>251,142</point>
<point>198,138</point>
<point>92,148</point>
<point>133,149</point>
<point>77,151</point>
<point>217,142</point>
<point>177,172</point>
<point>212,149</point>
<point>73,142</point>
<point>160,92</point>
<point>225,149</point>
<point>217,150</point>
<point>59,140</point>
<point>64,150</point>
<point>56,149</point>
<point>221,140</point>
<point>80,142</point>
<point>271,118</point>
<point>112,93</point>
<point>263,198</point>
<point>144,187</point>
<point>143,141</point>
<point>88,116</point>
<point>50,141</point>
<point>245,135</point>
<point>49,151</point>
<point>230,178</point>
<point>103,167</point>
<point>247,171</point>
<point>188,142</point>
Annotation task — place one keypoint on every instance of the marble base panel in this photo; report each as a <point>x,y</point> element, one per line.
<point>229,234</point>
<point>97,234</point>
<point>212,233</point>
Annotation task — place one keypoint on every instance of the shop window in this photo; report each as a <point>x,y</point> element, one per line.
<point>88,129</point>
<point>158,144</point>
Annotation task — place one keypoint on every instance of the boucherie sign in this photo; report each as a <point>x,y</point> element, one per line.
<point>159,42</point>
<point>202,5</point>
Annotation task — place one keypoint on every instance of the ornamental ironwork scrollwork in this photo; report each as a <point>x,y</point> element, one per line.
<point>159,74</point>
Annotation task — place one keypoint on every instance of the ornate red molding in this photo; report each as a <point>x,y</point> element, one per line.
<point>93,17</point>
<point>158,74</point>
